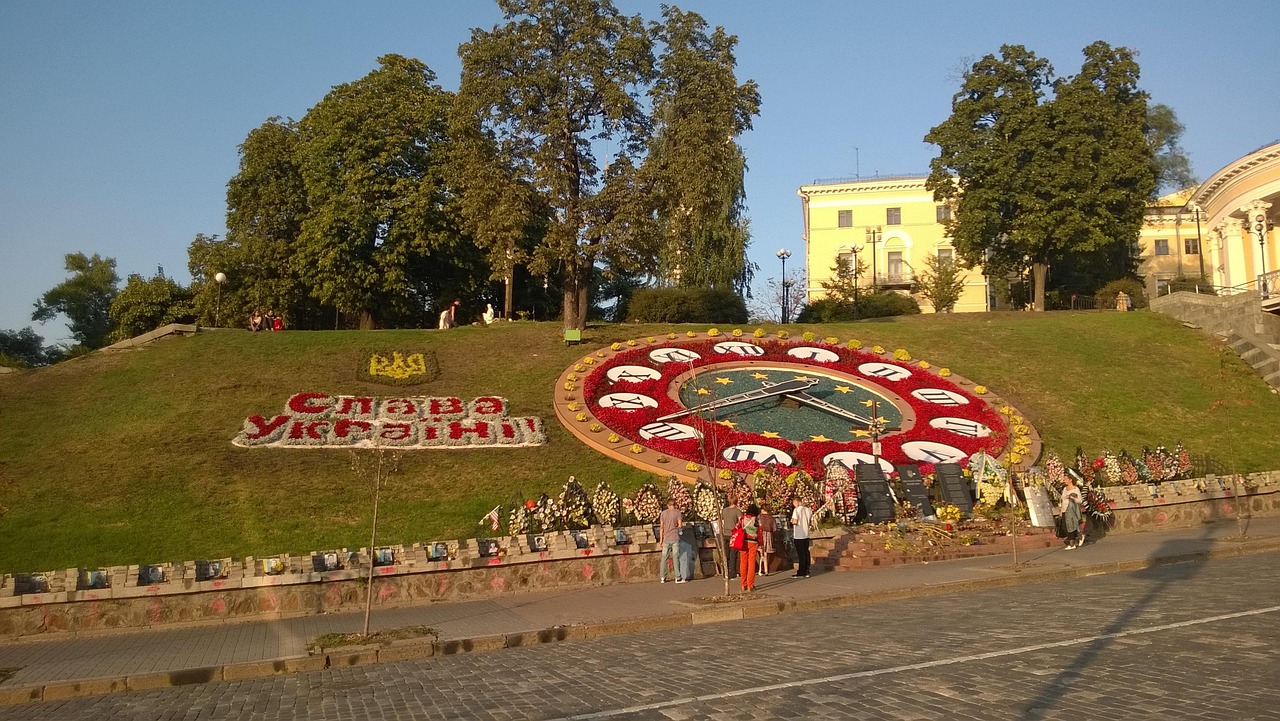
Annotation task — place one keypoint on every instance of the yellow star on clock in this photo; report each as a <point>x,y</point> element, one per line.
<point>704,392</point>
<point>868,403</point>
<point>860,433</point>
<point>760,376</point>
<point>819,438</point>
<point>770,434</point>
<point>803,378</point>
<point>844,389</point>
<point>723,381</point>
<point>728,424</point>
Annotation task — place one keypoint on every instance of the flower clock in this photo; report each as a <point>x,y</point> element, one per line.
<point>681,404</point>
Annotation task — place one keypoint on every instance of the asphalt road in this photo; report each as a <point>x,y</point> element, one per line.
<point>1198,640</point>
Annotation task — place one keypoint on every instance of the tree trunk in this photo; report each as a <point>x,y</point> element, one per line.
<point>366,320</point>
<point>506,297</point>
<point>1039,272</point>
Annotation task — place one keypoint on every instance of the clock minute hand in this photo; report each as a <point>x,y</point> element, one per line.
<point>768,391</point>
<point>805,398</point>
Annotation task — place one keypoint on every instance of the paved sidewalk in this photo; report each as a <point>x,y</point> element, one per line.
<point>58,666</point>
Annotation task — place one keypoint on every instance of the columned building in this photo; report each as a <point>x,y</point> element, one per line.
<point>1238,205</point>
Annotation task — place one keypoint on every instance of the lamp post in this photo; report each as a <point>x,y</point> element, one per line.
<point>220,278</point>
<point>783,254</point>
<point>856,248</point>
<point>1259,221</point>
<point>873,237</point>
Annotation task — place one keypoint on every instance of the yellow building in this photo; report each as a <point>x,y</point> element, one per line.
<point>889,225</point>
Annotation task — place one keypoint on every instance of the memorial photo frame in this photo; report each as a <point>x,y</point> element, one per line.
<point>488,547</point>
<point>150,575</point>
<point>580,540</point>
<point>620,537</point>
<point>538,543</point>
<point>209,570</point>
<point>439,551</point>
<point>384,556</point>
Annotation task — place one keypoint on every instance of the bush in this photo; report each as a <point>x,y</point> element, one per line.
<point>1192,285</point>
<point>1106,296</point>
<point>686,305</point>
<point>877,305</point>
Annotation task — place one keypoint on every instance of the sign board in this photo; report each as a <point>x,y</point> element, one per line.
<point>1039,506</point>
<point>917,493</point>
<point>954,487</point>
<point>873,493</point>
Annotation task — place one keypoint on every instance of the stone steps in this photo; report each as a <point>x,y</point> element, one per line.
<point>851,553</point>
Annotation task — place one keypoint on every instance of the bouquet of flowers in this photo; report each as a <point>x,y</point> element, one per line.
<point>1184,459</point>
<point>948,512</point>
<point>518,521</point>
<point>1128,469</point>
<point>679,492</point>
<point>799,485</point>
<point>648,503</point>
<point>1054,470</point>
<point>740,493</point>
<point>1083,465</point>
<point>706,503</point>
<point>1155,463</point>
<point>606,505</point>
<point>1111,464</point>
<point>574,505</point>
<point>545,515</point>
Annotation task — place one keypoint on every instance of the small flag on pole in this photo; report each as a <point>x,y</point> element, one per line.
<point>491,517</point>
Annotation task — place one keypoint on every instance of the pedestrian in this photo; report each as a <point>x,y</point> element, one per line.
<point>801,518</point>
<point>750,523</point>
<point>1070,515</point>
<point>669,522</point>
<point>767,526</point>
<point>729,516</point>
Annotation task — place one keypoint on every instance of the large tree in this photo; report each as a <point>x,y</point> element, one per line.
<point>149,303</point>
<point>1164,135</point>
<point>84,298</point>
<point>372,160</point>
<point>695,167</point>
<point>559,78</point>
<point>1035,177</point>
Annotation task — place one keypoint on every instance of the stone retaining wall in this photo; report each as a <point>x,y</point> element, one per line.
<point>287,585</point>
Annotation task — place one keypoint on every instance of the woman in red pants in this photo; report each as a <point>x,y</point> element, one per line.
<point>750,523</point>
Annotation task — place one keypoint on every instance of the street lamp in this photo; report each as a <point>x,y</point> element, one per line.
<point>221,278</point>
<point>856,248</point>
<point>786,295</point>
<point>873,237</point>
<point>1259,220</point>
<point>1195,208</point>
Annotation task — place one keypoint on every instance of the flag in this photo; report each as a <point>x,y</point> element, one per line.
<point>491,517</point>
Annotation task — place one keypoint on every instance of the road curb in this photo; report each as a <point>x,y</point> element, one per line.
<point>413,650</point>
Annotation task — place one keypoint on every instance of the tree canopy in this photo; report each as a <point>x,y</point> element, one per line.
<point>84,298</point>
<point>1039,167</point>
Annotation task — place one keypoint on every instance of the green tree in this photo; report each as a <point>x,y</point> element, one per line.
<point>23,348</point>
<point>1035,178</point>
<point>371,155</point>
<point>695,168</point>
<point>266,204</point>
<point>940,283</point>
<point>558,76</point>
<point>84,298</point>
<point>145,304</point>
<point>844,285</point>
<point>1164,135</point>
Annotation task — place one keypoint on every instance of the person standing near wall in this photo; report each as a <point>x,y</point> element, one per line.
<point>729,516</point>
<point>669,522</point>
<point>801,518</point>
<point>750,523</point>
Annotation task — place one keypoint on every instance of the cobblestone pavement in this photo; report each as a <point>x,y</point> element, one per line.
<point>1192,640</point>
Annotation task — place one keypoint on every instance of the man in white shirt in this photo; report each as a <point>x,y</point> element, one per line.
<point>801,517</point>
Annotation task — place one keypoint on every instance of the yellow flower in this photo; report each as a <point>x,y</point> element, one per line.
<point>737,332</point>
<point>599,354</point>
<point>808,336</point>
<point>980,390</point>
<point>691,334</point>
<point>568,385</point>
<point>631,342</point>
<point>853,344</point>
<point>831,340</point>
<point>783,335</point>
<point>902,354</point>
<point>589,360</point>
<point>595,428</point>
<point>615,347</point>
<point>924,364</point>
<point>663,459</point>
<point>614,438</point>
<point>573,377</point>
<point>878,349</point>
<point>692,467</point>
<point>1015,457</point>
<point>671,336</point>
<point>581,418</point>
<point>650,339</point>
<point>573,406</point>
<point>725,474</point>
<point>759,333</point>
<point>944,372</point>
<point>713,332</point>
<point>579,367</point>
<point>636,448</point>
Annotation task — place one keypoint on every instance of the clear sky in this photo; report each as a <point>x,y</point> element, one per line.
<point>119,122</point>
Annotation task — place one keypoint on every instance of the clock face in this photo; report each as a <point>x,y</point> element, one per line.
<point>677,406</point>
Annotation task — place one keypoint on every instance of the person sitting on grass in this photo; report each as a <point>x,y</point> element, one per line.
<point>255,320</point>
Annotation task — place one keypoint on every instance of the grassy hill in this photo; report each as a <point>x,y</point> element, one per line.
<point>126,458</point>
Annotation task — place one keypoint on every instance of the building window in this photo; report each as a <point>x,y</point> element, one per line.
<point>1191,246</point>
<point>895,267</point>
<point>944,213</point>
<point>844,259</point>
<point>893,216</point>
<point>844,218</point>
<point>1162,247</point>
<point>946,255</point>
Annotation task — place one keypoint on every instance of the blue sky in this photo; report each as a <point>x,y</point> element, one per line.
<point>119,122</point>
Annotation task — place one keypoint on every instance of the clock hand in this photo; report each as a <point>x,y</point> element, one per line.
<point>768,391</point>
<point>805,398</point>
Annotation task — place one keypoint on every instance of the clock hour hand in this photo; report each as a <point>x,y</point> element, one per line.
<point>770,390</point>
<point>805,398</point>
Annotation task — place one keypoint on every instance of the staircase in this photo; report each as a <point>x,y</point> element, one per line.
<point>1238,319</point>
<point>859,550</point>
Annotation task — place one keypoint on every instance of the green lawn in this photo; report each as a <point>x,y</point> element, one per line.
<point>126,458</point>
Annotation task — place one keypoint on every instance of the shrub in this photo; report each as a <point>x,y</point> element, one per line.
<point>686,305</point>
<point>1106,296</point>
<point>877,305</point>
